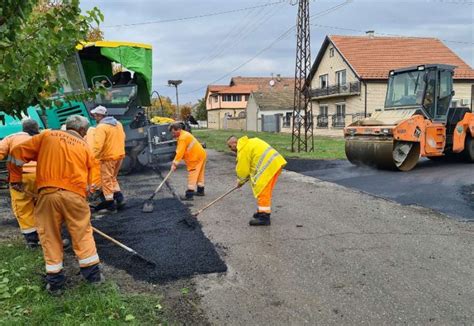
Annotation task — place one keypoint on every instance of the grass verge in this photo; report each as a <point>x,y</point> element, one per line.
<point>325,147</point>
<point>23,299</point>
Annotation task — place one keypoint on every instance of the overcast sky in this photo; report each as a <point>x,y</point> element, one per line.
<point>203,50</point>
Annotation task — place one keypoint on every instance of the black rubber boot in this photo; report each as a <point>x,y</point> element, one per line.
<point>55,283</point>
<point>189,195</point>
<point>107,205</point>
<point>119,199</point>
<point>261,219</point>
<point>200,191</point>
<point>92,274</point>
<point>32,239</point>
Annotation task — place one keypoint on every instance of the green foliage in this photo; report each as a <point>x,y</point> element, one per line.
<point>23,299</point>
<point>162,107</point>
<point>325,147</point>
<point>201,111</point>
<point>37,36</point>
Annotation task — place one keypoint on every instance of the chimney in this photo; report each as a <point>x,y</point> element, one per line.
<point>370,34</point>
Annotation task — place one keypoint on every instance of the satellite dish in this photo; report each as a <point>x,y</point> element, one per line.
<point>272,83</point>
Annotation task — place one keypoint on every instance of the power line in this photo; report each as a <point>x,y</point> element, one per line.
<point>170,20</point>
<point>278,39</point>
<point>383,34</point>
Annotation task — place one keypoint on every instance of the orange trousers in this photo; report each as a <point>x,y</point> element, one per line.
<point>196,174</point>
<point>57,206</point>
<point>264,199</point>
<point>108,172</point>
<point>23,205</point>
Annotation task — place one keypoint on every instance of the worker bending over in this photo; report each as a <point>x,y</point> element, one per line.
<point>64,163</point>
<point>191,151</point>
<point>109,149</point>
<point>23,205</point>
<point>259,162</point>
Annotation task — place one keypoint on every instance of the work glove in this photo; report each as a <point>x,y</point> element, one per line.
<point>18,186</point>
<point>174,166</point>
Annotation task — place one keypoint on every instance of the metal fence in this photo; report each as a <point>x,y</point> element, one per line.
<point>340,89</point>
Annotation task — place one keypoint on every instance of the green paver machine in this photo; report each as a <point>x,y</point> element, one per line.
<point>125,70</point>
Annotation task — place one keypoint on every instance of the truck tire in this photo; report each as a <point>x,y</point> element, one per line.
<point>469,149</point>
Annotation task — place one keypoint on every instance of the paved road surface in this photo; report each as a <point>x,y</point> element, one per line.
<point>447,187</point>
<point>333,256</point>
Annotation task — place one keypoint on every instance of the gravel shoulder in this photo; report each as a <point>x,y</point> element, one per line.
<point>331,256</point>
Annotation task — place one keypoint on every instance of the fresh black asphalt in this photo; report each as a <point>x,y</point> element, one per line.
<point>447,187</point>
<point>178,249</point>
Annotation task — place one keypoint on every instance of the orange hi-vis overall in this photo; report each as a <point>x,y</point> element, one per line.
<point>109,149</point>
<point>95,182</point>
<point>262,164</point>
<point>64,161</point>
<point>191,151</point>
<point>23,205</point>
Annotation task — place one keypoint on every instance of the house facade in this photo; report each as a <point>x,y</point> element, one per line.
<point>349,76</point>
<point>270,110</point>
<point>226,104</point>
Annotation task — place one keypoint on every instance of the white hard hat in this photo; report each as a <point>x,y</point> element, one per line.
<point>99,110</point>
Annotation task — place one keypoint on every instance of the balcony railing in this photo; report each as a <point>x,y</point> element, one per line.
<point>322,121</point>
<point>352,88</point>
<point>338,121</point>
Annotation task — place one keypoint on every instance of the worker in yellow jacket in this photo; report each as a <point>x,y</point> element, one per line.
<point>191,151</point>
<point>260,163</point>
<point>23,205</point>
<point>64,163</point>
<point>109,149</point>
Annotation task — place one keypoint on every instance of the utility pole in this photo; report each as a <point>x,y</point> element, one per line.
<point>302,133</point>
<point>176,83</point>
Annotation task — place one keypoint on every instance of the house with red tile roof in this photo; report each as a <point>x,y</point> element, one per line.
<point>349,76</point>
<point>226,102</point>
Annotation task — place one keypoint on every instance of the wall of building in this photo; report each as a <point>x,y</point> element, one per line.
<point>463,92</point>
<point>215,118</point>
<point>329,65</point>
<point>252,119</point>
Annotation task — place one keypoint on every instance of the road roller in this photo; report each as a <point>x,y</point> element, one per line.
<point>416,121</point>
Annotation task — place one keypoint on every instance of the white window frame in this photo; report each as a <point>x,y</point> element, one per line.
<point>338,75</point>
<point>326,80</point>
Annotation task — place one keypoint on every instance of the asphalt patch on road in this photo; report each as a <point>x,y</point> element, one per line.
<point>445,186</point>
<point>163,237</point>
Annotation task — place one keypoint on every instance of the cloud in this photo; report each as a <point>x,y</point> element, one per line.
<point>202,50</point>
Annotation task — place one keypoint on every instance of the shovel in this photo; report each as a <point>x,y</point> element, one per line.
<point>215,201</point>
<point>130,250</point>
<point>148,205</point>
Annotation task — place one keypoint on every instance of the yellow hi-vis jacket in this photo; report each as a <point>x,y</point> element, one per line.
<point>258,161</point>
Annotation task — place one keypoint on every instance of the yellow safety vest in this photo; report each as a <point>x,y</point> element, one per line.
<point>258,161</point>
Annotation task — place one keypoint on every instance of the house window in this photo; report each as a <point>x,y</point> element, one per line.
<point>341,110</point>
<point>287,120</point>
<point>246,98</point>
<point>231,98</point>
<point>323,110</point>
<point>331,52</point>
<point>323,81</point>
<point>341,77</point>
<point>216,98</point>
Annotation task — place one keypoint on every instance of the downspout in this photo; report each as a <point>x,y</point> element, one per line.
<point>365,100</point>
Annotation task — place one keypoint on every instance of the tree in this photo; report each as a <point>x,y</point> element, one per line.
<point>95,34</point>
<point>35,37</point>
<point>201,111</point>
<point>184,112</point>
<point>168,109</point>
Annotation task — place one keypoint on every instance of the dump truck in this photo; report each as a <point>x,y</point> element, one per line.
<point>416,121</point>
<point>124,70</point>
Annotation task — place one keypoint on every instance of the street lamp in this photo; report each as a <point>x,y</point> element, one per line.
<point>176,83</point>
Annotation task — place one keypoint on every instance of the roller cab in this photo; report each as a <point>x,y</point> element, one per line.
<point>416,121</point>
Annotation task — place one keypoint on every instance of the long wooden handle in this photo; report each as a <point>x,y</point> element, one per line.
<point>161,184</point>
<point>215,201</point>
<point>114,241</point>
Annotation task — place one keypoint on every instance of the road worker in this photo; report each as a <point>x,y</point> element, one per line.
<point>191,151</point>
<point>64,163</point>
<point>94,177</point>
<point>23,205</point>
<point>109,149</point>
<point>258,162</point>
